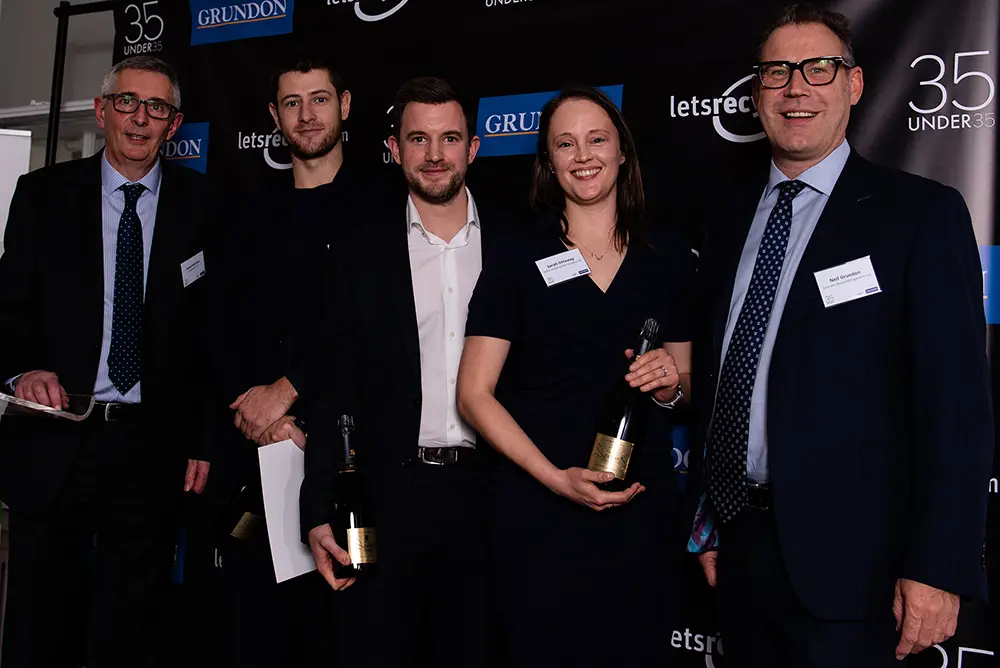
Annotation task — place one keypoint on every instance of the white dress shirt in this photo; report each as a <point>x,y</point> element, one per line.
<point>444,275</point>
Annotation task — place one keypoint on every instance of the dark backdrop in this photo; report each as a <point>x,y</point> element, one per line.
<point>929,106</point>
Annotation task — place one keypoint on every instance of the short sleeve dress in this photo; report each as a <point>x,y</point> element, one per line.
<point>577,586</point>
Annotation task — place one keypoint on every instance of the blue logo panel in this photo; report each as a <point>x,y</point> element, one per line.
<point>508,125</point>
<point>189,146</point>
<point>226,20</point>
<point>990,258</point>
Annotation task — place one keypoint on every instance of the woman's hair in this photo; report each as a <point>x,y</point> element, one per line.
<point>548,196</point>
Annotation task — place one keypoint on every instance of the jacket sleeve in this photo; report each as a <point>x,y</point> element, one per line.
<point>950,392</point>
<point>18,271</point>
<point>334,355</point>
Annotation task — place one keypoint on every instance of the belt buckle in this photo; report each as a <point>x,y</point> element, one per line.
<point>451,458</point>
<point>763,489</point>
<point>107,412</point>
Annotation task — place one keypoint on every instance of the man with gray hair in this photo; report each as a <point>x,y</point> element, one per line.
<point>100,296</point>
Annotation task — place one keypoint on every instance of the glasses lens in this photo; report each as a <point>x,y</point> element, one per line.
<point>819,71</point>
<point>774,75</point>
<point>126,103</point>
<point>158,109</point>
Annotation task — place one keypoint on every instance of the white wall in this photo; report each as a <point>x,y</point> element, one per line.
<point>27,48</point>
<point>15,149</point>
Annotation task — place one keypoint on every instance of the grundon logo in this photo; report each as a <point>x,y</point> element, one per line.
<point>221,21</point>
<point>508,125</point>
<point>188,147</point>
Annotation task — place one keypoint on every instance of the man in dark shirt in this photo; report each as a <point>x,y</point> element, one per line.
<point>265,305</point>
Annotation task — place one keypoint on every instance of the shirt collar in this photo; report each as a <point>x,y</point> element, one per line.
<point>413,216</point>
<point>112,179</point>
<point>822,176</point>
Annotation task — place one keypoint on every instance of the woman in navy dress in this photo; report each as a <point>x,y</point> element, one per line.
<point>585,577</point>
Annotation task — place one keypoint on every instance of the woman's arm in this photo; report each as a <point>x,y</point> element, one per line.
<point>482,360</point>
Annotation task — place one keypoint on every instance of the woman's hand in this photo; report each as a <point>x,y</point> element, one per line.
<point>577,484</point>
<point>654,372</point>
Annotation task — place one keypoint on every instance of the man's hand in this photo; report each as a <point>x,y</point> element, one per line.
<point>283,429</point>
<point>708,561</point>
<point>197,476</point>
<point>325,550</point>
<point>927,616</point>
<point>42,387</point>
<point>258,407</point>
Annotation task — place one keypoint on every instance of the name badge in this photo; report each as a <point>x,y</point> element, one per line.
<point>192,269</point>
<point>563,267</point>
<point>847,282</point>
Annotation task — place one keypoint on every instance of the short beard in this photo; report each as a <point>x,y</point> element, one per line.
<point>445,194</point>
<point>327,144</point>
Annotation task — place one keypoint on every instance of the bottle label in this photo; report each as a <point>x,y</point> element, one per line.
<point>611,455</point>
<point>361,545</point>
<point>247,526</point>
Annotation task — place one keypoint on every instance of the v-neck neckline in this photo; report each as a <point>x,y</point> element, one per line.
<point>590,275</point>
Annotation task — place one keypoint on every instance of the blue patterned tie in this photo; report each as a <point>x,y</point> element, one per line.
<point>126,321</point>
<point>731,422</point>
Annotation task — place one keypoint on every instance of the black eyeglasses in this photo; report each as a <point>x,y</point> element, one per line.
<point>816,71</point>
<point>129,104</point>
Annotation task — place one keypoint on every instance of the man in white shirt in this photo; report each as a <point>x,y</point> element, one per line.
<point>391,349</point>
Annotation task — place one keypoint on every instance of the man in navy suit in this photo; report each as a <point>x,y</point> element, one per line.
<point>848,423</point>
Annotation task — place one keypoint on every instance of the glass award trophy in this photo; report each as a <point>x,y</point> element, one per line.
<point>78,410</point>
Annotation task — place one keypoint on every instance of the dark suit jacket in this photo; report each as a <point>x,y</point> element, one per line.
<point>266,301</point>
<point>369,363</point>
<point>52,313</point>
<point>879,416</point>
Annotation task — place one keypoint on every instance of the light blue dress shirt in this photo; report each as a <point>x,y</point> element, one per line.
<point>113,204</point>
<point>806,210</point>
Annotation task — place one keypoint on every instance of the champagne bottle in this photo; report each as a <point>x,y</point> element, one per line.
<point>353,528</point>
<point>622,420</point>
<point>244,514</point>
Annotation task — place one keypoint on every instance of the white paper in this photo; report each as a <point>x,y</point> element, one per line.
<point>282,468</point>
<point>847,282</point>
<point>561,267</point>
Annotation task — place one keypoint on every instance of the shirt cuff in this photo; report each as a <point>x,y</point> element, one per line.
<point>11,381</point>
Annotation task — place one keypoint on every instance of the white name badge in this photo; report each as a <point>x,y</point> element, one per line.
<point>563,267</point>
<point>847,282</point>
<point>193,268</point>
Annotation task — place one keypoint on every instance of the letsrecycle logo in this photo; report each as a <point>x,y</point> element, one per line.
<point>188,147</point>
<point>732,112</point>
<point>370,10</point>
<point>508,125</point>
<point>989,257</point>
<point>219,21</point>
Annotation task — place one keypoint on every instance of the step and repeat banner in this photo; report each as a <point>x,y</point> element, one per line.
<point>682,75</point>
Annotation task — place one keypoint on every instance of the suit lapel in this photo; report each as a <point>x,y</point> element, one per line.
<point>91,207</point>
<point>158,273</point>
<point>733,236</point>
<point>826,245</point>
<point>401,289</point>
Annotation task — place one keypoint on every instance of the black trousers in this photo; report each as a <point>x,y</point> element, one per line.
<point>86,579</point>
<point>274,625</point>
<point>430,603</point>
<point>763,622</point>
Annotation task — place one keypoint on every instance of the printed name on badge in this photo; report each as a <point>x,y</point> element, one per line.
<point>193,268</point>
<point>562,267</point>
<point>847,282</point>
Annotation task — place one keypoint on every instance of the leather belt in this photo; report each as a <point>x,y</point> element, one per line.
<point>112,411</point>
<point>759,495</point>
<point>443,456</point>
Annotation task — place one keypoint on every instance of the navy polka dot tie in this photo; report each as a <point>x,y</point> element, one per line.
<point>730,429</point>
<point>126,320</point>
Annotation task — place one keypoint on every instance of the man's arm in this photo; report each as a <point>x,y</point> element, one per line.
<point>951,403</point>
<point>18,267</point>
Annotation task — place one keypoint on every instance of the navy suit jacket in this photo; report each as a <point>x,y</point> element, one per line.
<point>879,417</point>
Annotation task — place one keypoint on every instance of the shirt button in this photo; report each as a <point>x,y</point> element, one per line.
<point>450,427</point>
<point>452,381</point>
<point>451,334</point>
<point>450,290</point>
